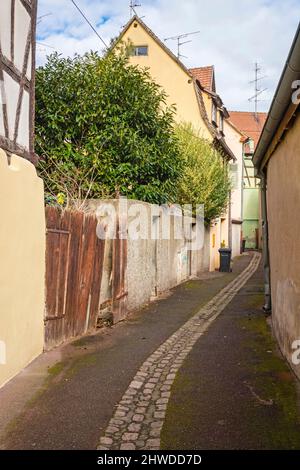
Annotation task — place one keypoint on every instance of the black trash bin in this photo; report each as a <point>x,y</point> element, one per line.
<point>225,260</point>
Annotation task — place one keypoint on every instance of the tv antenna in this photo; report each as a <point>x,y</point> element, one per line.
<point>258,91</point>
<point>40,18</point>
<point>133,5</point>
<point>180,41</point>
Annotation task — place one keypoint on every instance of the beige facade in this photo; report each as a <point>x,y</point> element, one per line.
<point>22,254</point>
<point>283,198</point>
<point>173,78</point>
<point>277,163</point>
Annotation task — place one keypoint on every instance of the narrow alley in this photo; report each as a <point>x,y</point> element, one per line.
<point>209,377</point>
<point>149,243</point>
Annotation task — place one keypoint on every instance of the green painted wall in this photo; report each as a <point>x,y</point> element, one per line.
<point>250,228</point>
<point>251,203</point>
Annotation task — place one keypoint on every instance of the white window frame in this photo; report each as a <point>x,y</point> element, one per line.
<point>135,51</point>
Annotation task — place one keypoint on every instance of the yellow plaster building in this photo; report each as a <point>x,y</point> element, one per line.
<point>193,92</point>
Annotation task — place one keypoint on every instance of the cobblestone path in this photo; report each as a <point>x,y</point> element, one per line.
<point>139,417</point>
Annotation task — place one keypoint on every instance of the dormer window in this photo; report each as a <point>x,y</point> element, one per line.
<point>138,51</point>
<point>221,123</point>
<point>249,147</point>
<point>214,114</point>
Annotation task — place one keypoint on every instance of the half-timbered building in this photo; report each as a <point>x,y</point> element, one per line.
<point>17,62</point>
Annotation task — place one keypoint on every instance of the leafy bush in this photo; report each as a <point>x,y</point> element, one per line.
<point>103,127</point>
<point>205,179</point>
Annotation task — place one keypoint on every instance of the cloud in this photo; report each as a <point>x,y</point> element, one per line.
<point>233,36</point>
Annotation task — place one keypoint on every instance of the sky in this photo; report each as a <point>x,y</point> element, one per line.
<point>234,34</point>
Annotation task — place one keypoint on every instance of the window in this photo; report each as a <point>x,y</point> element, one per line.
<point>214,114</point>
<point>138,51</point>
<point>221,124</point>
<point>233,168</point>
<point>249,147</point>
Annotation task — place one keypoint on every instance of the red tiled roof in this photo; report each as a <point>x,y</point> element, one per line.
<point>205,75</point>
<point>248,124</point>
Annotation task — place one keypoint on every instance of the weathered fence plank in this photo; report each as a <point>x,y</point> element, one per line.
<point>76,227</point>
<point>74,263</point>
<point>86,273</point>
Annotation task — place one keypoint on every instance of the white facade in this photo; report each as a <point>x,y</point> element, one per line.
<point>234,141</point>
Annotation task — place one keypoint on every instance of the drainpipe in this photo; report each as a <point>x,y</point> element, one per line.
<point>230,221</point>
<point>243,194</point>
<point>265,233</point>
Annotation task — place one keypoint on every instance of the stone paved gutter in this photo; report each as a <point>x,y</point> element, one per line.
<point>139,417</point>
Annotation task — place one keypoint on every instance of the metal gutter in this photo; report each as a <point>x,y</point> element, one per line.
<point>280,104</point>
<point>281,101</point>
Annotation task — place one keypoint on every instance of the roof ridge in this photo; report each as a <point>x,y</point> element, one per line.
<point>206,76</point>
<point>248,112</point>
<point>202,67</point>
<point>156,38</point>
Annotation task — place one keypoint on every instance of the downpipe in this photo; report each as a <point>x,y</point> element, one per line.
<point>265,234</point>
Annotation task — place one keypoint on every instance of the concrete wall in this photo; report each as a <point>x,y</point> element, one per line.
<point>153,265</point>
<point>176,82</point>
<point>283,197</point>
<point>22,268</point>
<point>142,260</point>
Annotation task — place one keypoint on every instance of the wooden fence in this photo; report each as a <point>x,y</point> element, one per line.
<point>74,263</point>
<point>74,269</point>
